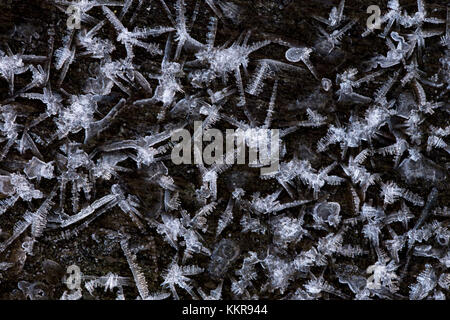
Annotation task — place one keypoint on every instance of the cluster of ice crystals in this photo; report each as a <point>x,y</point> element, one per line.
<point>358,208</point>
